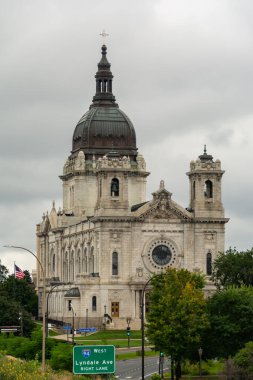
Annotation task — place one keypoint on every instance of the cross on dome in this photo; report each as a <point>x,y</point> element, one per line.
<point>104,35</point>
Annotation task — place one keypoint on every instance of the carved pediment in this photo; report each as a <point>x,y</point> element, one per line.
<point>161,207</point>
<point>160,213</point>
<point>163,210</point>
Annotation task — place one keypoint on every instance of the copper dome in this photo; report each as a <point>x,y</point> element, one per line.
<point>104,127</point>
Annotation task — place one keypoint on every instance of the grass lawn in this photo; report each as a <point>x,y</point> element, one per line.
<point>112,334</point>
<point>117,338</point>
<point>119,343</point>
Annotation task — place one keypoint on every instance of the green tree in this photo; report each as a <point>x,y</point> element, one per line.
<point>177,312</point>
<point>231,321</point>
<point>244,361</point>
<point>11,314</point>
<point>28,277</point>
<point>22,292</point>
<point>233,268</point>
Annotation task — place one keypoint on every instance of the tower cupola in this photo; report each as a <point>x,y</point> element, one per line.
<point>104,95</point>
<point>104,127</point>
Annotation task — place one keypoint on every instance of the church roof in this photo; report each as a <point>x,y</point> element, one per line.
<point>104,127</point>
<point>161,206</point>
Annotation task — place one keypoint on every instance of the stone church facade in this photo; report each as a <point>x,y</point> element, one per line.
<point>107,240</point>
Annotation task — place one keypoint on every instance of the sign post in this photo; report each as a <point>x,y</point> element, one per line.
<point>93,360</point>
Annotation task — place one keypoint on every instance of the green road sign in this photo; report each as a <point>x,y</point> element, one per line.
<point>93,360</point>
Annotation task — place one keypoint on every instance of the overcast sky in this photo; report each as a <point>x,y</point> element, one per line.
<point>182,73</point>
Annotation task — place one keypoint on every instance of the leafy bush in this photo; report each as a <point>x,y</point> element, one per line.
<point>26,348</point>
<point>209,367</point>
<point>62,357</point>
<point>244,361</point>
<point>155,376</point>
<point>15,369</point>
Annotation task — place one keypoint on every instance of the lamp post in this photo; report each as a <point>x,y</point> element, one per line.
<point>21,323</point>
<point>142,329</point>
<point>86,323</point>
<point>73,325</point>
<point>128,321</point>
<point>200,351</point>
<point>43,361</point>
<point>104,320</point>
<point>48,294</point>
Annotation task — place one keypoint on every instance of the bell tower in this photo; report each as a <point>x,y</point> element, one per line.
<point>205,187</point>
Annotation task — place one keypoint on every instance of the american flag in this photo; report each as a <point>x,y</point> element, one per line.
<point>19,273</point>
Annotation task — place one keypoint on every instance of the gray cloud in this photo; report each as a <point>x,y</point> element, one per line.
<point>183,74</point>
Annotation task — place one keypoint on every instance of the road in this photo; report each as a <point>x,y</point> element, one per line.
<point>131,369</point>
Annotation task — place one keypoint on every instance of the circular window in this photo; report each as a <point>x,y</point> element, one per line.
<point>161,255</point>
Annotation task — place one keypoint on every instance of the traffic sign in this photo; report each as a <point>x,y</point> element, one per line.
<point>93,360</point>
<point>87,329</point>
<point>9,330</point>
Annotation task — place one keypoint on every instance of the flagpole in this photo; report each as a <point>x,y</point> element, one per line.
<point>14,270</point>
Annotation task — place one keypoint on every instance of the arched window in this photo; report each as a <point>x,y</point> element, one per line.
<point>209,264</point>
<point>100,188</point>
<point>78,262</point>
<point>53,263</point>
<point>115,187</point>
<point>92,264</point>
<point>194,189</point>
<point>71,267</point>
<point>208,191</point>
<point>66,267</point>
<point>115,264</point>
<point>94,303</point>
<point>50,262</point>
<point>84,261</point>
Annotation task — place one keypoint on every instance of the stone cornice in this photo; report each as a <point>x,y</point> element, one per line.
<point>94,172</point>
<point>41,234</point>
<point>113,219</point>
<point>210,220</point>
<point>57,230</point>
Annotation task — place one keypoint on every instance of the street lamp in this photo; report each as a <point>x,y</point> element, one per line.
<point>43,359</point>
<point>73,324</point>
<point>104,319</point>
<point>142,329</point>
<point>20,317</point>
<point>86,323</point>
<point>200,351</point>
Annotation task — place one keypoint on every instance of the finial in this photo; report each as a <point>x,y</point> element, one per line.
<point>205,157</point>
<point>104,35</point>
<point>161,184</point>
<point>53,204</point>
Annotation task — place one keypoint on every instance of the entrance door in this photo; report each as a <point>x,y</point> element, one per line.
<point>115,309</point>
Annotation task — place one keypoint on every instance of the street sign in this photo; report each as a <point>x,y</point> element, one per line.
<point>9,330</point>
<point>93,360</point>
<point>87,329</point>
<point>67,327</point>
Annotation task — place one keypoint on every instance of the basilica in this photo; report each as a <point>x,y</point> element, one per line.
<point>100,248</point>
